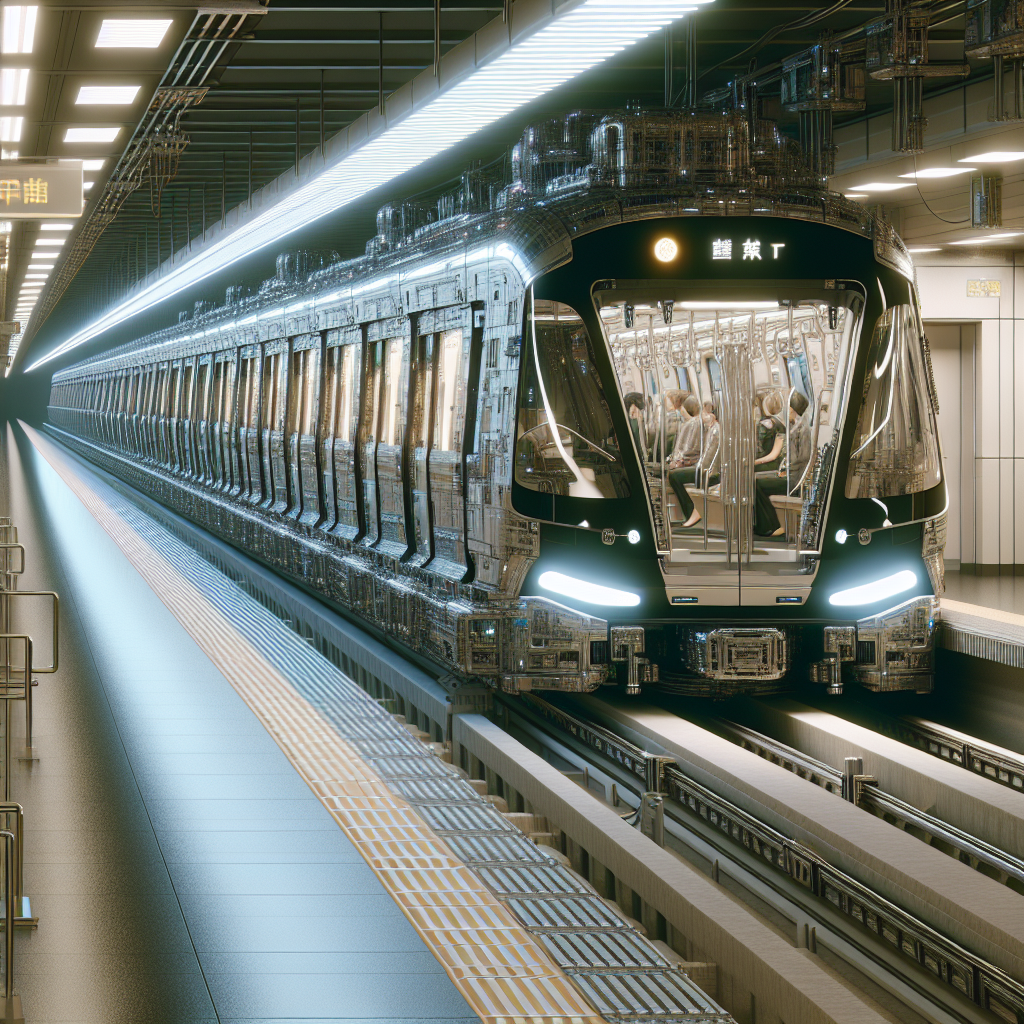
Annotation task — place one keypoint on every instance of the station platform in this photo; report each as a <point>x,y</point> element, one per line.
<point>221,826</point>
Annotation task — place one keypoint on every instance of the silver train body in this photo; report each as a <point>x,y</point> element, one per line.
<point>358,425</point>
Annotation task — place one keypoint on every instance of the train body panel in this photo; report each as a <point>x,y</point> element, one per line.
<point>475,438</point>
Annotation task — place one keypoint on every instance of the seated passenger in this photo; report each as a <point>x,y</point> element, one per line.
<point>674,420</point>
<point>794,462</point>
<point>771,433</point>
<point>686,450</point>
<point>705,473</point>
<point>635,405</point>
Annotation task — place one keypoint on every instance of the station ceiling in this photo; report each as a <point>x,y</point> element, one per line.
<point>195,109</point>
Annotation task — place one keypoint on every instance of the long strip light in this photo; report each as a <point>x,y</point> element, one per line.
<point>876,590</point>
<point>584,590</point>
<point>561,49</point>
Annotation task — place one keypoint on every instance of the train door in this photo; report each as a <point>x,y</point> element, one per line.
<point>186,420</point>
<point>220,420</point>
<point>303,420</point>
<point>393,399</point>
<point>159,415</point>
<point>203,419</point>
<point>173,398</point>
<point>446,476</point>
<point>421,421</point>
<point>342,404</point>
<point>248,424</point>
<point>736,407</point>
<point>273,408</point>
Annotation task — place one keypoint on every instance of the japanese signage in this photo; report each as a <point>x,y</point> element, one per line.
<point>748,249</point>
<point>37,191</point>
<point>984,289</point>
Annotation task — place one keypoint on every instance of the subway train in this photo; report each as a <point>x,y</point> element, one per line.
<point>656,409</point>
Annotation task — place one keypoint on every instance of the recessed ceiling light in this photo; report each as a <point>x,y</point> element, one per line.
<point>925,248</point>
<point>8,154</point>
<point>939,172</point>
<point>18,29</point>
<point>55,242</point>
<point>995,156</point>
<point>42,266</point>
<point>985,239</point>
<point>879,186</point>
<point>5,227</point>
<point>36,277</point>
<point>92,165</point>
<point>13,86</point>
<point>86,185</point>
<point>91,134</point>
<point>144,33</point>
<point>10,129</point>
<point>108,95</point>
<point>56,225</point>
<point>44,255</point>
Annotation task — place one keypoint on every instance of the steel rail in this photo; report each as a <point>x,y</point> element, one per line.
<point>962,845</point>
<point>970,975</point>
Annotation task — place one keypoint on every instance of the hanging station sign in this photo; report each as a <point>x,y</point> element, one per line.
<point>37,191</point>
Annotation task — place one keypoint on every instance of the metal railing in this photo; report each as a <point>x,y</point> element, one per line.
<point>18,668</point>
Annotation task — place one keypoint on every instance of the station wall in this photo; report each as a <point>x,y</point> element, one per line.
<point>978,355</point>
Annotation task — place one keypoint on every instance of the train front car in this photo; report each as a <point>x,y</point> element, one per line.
<point>727,432</point>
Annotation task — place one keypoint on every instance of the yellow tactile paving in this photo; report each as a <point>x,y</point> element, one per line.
<point>504,974</point>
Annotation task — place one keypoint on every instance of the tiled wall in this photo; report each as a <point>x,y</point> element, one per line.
<point>991,498</point>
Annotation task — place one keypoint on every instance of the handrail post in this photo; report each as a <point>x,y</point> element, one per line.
<point>12,1003</point>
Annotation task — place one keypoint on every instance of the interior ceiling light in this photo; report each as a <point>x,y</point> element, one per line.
<point>985,239</point>
<point>13,86</point>
<point>55,242</point>
<point>18,29</point>
<point>879,186</point>
<point>86,185</point>
<point>5,227</point>
<point>10,129</point>
<point>93,165</point>
<point>925,248</point>
<point>56,225</point>
<point>108,95</point>
<point>8,154</point>
<point>92,134</point>
<point>562,47</point>
<point>939,172</point>
<point>856,195</point>
<point>44,255</point>
<point>996,156</point>
<point>727,304</point>
<point>138,33</point>
<point>42,266</point>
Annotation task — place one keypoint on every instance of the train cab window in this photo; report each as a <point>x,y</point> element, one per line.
<point>566,443</point>
<point>735,405</point>
<point>895,448</point>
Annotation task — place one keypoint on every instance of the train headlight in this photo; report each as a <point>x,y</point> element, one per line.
<point>877,590</point>
<point>666,249</point>
<point>841,536</point>
<point>633,536</point>
<point>583,590</point>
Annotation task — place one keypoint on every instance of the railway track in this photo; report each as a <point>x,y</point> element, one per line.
<point>900,950</point>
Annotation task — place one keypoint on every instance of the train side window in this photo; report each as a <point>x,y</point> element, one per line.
<point>895,448</point>
<point>347,411</point>
<point>450,407</point>
<point>566,441</point>
<point>393,396</point>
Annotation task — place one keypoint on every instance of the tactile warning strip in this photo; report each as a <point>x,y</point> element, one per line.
<point>520,935</point>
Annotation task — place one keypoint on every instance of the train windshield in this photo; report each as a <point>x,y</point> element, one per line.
<point>737,399</point>
<point>566,443</point>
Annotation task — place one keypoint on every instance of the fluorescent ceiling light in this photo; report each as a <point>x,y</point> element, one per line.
<point>36,277</point>
<point>93,165</point>
<point>56,225</point>
<point>5,227</point>
<point>86,185</point>
<point>727,304</point>
<point>877,590</point>
<point>996,156</point>
<point>108,95</point>
<point>582,590</point>
<point>91,134</point>
<point>939,172</point>
<point>985,239</point>
<point>8,154</point>
<point>925,248</point>
<point>879,186</point>
<point>856,195</point>
<point>563,46</point>
<point>44,255</point>
<point>141,33</point>
<point>13,86</point>
<point>18,29</point>
<point>43,266</point>
<point>50,241</point>
<point>10,129</point>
